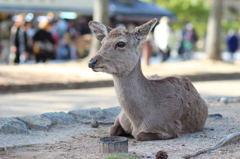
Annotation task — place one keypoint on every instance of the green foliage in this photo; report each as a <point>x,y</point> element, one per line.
<point>197,13</point>
<point>192,11</point>
<point>230,25</point>
<point>123,156</point>
<point>187,10</point>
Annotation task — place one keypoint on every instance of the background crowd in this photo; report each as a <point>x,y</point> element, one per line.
<point>184,41</point>
<point>44,38</point>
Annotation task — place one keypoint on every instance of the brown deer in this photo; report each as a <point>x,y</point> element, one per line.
<point>152,109</point>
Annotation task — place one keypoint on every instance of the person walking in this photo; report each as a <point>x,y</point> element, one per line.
<point>43,42</point>
<point>19,40</point>
<point>161,37</point>
<point>5,27</point>
<point>232,43</point>
<point>189,41</point>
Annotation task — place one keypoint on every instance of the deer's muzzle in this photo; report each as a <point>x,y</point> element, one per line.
<point>92,63</point>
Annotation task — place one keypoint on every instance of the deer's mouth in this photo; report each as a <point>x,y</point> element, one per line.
<point>98,69</point>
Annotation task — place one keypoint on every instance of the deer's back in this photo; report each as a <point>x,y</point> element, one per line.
<point>178,94</point>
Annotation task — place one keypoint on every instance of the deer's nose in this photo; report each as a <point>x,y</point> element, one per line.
<point>92,63</point>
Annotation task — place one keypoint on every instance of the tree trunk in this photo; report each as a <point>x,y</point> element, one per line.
<point>100,14</point>
<point>213,39</point>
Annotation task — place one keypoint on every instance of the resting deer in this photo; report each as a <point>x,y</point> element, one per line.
<point>152,109</point>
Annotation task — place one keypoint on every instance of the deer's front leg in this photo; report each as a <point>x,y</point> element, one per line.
<point>116,129</point>
<point>141,136</point>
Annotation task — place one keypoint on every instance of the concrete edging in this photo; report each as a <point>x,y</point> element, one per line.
<point>45,121</point>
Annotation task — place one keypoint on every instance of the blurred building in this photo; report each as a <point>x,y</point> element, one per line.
<point>121,10</point>
<point>43,6</point>
<point>135,10</point>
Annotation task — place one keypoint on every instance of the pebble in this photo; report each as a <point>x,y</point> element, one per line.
<point>224,100</point>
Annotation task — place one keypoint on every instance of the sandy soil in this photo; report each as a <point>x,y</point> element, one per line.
<point>81,141</point>
<point>79,72</point>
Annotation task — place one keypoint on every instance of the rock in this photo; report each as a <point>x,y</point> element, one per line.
<point>234,100</point>
<point>113,111</point>
<point>85,115</point>
<point>12,125</point>
<point>94,123</point>
<point>60,118</point>
<point>39,122</point>
<point>47,120</point>
<point>216,116</point>
<point>224,100</point>
<point>111,114</point>
<point>103,116</point>
<point>161,155</point>
<point>149,155</point>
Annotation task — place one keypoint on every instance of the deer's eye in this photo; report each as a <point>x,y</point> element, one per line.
<point>120,44</point>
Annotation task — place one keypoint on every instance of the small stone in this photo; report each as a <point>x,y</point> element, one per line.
<point>224,100</point>
<point>148,155</point>
<point>161,155</point>
<point>94,123</point>
<point>216,116</point>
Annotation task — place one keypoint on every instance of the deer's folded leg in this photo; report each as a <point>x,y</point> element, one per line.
<point>141,136</point>
<point>116,129</point>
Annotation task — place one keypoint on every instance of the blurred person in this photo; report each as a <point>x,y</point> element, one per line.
<point>30,33</point>
<point>161,37</point>
<point>19,40</point>
<point>189,41</point>
<point>5,27</point>
<point>83,26</point>
<point>66,50</point>
<point>181,35</point>
<point>61,27</point>
<point>43,42</point>
<point>232,43</point>
<point>72,30</point>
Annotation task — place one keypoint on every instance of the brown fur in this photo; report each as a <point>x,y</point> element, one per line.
<point>152,109</point>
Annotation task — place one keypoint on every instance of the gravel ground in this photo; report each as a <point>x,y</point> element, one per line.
<point>80,140</point>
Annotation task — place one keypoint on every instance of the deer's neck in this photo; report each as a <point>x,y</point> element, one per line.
<point>134,78</point>
<point>130,89</point>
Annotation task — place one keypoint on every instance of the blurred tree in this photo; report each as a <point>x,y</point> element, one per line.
<point>193,11</point>
<point>100,14</point>
<point>225,15</point>
<point>231,15</point>
<point>213,39</point>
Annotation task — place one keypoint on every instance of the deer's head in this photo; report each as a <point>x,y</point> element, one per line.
<point>120,50</point>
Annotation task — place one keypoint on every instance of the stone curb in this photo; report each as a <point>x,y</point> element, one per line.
<point>104,83</point>
<point>21,125</point>
<point>43,122</point>
<point>53,86</point>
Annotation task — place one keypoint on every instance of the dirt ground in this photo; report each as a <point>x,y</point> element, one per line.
<point>80,141</point>
<point>79,72</point>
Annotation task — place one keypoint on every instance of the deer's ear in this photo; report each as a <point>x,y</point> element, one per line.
<point>143,30</point>
<point>99,30</point>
